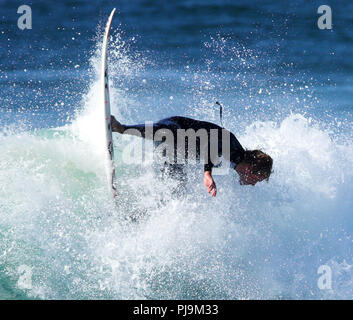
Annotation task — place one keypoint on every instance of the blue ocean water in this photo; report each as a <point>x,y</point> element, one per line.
<point>286,87</point>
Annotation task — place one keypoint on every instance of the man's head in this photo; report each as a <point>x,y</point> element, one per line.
<point>255,167</point>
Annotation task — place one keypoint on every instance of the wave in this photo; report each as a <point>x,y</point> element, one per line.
<point>62,237</point>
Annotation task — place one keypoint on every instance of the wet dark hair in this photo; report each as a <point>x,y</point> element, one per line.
<point>260,162</point>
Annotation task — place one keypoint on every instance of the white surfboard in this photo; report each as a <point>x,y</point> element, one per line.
<point>110,172</point>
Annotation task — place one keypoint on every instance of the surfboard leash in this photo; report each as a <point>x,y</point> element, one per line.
<point>220,113</point>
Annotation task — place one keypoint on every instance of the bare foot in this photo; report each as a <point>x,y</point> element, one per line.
<point>116,125</point>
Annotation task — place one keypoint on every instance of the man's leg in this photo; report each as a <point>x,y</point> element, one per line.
<point>177,173</point>
<point>139,129</point>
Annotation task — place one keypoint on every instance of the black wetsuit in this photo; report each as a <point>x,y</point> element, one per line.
<point>236,151</point>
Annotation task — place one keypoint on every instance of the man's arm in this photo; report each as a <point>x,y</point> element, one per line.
<point>209,183</point>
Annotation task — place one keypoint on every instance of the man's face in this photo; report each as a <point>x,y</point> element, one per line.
<point>249,178</point>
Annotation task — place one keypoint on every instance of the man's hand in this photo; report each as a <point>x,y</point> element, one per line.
<point>209,183</point>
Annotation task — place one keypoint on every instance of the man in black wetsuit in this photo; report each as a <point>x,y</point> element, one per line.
<point>210,142</point>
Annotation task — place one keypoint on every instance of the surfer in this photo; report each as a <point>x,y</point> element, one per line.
<point>252,166</point>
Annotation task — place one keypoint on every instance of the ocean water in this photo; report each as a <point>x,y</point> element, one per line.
<point>286,87</point>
